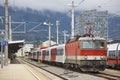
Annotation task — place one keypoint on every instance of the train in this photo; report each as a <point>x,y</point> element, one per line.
<point>86,53</point>
<point>113,59</point>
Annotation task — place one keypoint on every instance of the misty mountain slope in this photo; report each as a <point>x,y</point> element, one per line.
<point>30,16</point>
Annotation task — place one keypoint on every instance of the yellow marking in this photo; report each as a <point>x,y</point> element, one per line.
<point>32,72</point>
<point>37,76</point>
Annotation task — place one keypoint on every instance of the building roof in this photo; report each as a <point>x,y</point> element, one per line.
<point>13,46</point>
<point>46,43</point>
<point>14,42</point>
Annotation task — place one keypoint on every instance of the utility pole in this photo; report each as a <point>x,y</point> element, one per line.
<point>10,29</point>
<point>64,35</point>
<point>73,29</point>
<point>57,25</point>
<point>49,25</point>
<point>72,22</point>
<point>6,31</point>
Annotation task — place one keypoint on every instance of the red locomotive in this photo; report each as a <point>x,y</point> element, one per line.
<point>86,53</point>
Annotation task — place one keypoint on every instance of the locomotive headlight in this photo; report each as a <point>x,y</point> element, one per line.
<point>101,57</point>
<point>85,57</point>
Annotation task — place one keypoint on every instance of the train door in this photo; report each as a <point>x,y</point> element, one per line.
<point>47,55</point>
<point>40,56</point>
<point>43,54</point>
<point>34,55</point>
<point>53,54</point>
<point>37,55</point>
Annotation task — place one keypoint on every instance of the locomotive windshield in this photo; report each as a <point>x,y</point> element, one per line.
<point>93,44</point>
<point>87,44</point>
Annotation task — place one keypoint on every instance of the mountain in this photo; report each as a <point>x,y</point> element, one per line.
<point>40,33</point>
<point>114,27</point>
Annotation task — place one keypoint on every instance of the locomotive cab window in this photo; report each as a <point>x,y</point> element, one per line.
<point>102,44</point>
<point>87,44</point>
<point>99,44</point>
<point>93,44</point>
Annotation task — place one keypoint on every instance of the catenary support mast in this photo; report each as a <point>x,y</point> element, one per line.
<point>6,32</point>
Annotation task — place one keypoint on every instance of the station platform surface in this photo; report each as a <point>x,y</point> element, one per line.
<point>16,72</point>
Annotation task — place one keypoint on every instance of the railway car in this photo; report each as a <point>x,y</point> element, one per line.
<point>53,54</point>
<point>46,54</point>
<point>86,53</point>
<point>31,55</point>
<point>113,55</point>
<point>35,54</point>
<point>58,54</point>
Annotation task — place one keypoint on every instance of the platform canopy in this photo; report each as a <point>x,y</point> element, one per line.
<point>13,46</point>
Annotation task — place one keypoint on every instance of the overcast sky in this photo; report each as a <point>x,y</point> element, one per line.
<point>113,6</point>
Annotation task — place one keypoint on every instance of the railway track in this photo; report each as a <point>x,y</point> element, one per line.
<point>107,76</point>
<point>103,75</point>
<point>27,62</point>
<point>14,61</point>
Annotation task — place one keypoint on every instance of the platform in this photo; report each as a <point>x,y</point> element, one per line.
<point>17,72</point>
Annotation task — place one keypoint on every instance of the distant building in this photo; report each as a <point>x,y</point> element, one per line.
<point>28,47</point>
<point>98,21</point>
<point>46,43</point>
<point>25,50</point>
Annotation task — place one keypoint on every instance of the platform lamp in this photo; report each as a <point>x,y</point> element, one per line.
<point>49,26</point>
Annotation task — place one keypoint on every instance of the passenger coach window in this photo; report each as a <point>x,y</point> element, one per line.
<point>60,52</point>
<point>47,53</point>
<point>40,53</point>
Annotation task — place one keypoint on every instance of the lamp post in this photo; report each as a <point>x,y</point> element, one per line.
<point>49,25</point>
